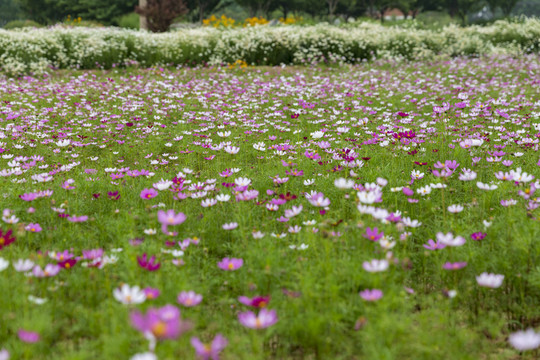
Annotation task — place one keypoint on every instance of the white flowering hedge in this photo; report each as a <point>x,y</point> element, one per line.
<point>38,50</point>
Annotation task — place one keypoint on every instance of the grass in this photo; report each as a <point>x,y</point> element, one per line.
<point>315,291</point>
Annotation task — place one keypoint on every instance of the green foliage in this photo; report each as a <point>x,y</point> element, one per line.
<point>17,24</point>
<point>128,21</point>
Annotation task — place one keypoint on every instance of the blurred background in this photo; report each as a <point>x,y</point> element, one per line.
<point>232,13</point>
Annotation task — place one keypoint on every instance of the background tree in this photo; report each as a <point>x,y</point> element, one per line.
<point>508,5</point>
<point>332,4</point>
<point>203,8</point>
<point>161,13</point>
<point>352,8</point>
<point>43,11</point>
<point>10,10</point>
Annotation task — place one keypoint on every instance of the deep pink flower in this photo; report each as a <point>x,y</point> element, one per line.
<point>211,351</point>
<point>230,264</point>
<point>265,319</point>
<point>257,301</point>
<point>114,195</point>
<point>478,236</point>
<point>148,264</point>
<point>6,238</point>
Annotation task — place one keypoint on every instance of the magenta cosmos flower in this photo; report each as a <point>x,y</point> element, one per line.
<point>163,323</point>
<point>257,301</point>
<point>230,264</point>
<point>189,298</point>
<point>209,351</point>
<point>6,238</point>
<point>373,235</point>
<point>265,319</point>
<point>148,194</point>
<point>149,264</point>
<point>28,336</point>
<point>371,295</point>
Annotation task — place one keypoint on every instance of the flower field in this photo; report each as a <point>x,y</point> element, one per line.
<point>40,50</point>
<point>386,210</point>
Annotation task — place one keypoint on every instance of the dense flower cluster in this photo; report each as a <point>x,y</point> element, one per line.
<point>263,211</point>
<point>39,50</point>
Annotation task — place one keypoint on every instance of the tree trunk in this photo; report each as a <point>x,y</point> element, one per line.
<point>143,23</point>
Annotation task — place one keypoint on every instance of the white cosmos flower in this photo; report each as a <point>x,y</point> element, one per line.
<point>426,190</point>
<point>257,235</point>
<point>144,356</point>
<point>150,231</point>
<point>230,226</point>
<point>411,223</point>
<point>449,239</point>
<point>223,197</point>
<point>490,280</point>
<point>524,340</point>
<point>375,265</point>
<point>455,208</point>
<point>23,265</point>
<point>3,264</point>
<point>129,295</point>
<point>162,184</point>
<point>309,182</point>
<point>342,183</point>
<point>242,181</point>
<point>488,187</point>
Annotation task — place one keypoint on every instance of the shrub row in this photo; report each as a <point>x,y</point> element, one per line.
<point>38,50</point>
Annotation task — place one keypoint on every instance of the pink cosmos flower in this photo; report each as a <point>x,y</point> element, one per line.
<point>148,193</point>
<point>265,319</point>
<point>432,245</point>
<point>49,270</point>
<point>28,336</point>
<point>189,298</point>
<point>454,266</point>
<point>373,235</point>
<point>230,264</point>
<point>211,351</point>
<point>33,227</point>
<point>82,218</point>
<point>170,217</point>
<point>162,323</point>
<point>151,293</point>
<point>371,295</point>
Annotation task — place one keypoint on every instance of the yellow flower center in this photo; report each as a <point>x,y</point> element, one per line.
<point>2,240</point>
<point>159,329</point>
<point>258,323</point>
<point>231,266</point>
